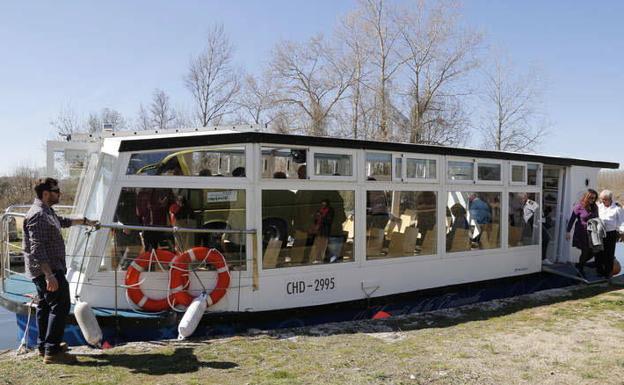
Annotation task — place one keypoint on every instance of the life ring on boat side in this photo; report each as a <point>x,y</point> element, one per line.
<point>138,266</point>
<point>179,280</point>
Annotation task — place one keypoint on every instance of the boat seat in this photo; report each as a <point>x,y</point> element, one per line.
<point>429,241</point>
<point>374,244</point>
<point>271,254</point>
<point>403,244</point>
<point>317,254</point>
<point>461,240</point>
<point>297,252</point>
<point>515,236</point>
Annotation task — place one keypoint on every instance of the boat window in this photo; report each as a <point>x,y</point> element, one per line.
<point>102,183</point>
<point>460,170</point>
<point>518,173</point>
<point>533,173</point>
<point>421,168</point>
<point>214,209</point>
<point>284,163</point>
<point>97,184</point>
<point>400,223</point>
<point>305,227</point>
<point>228,162</point>
<point>378,166</point>
<point>524,219</point>
<point>488,171</point>
<point>333,164</point>
<point>473,220</point>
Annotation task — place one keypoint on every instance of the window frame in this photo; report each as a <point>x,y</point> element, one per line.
<point>312,151</point>
<point>478,181</point>
<point>260,163</point>
<point>393,156</point>
<point>124,177</point>
<point>525,174</point>
<point>539,176</point>
<point>459,181</point>
<point>406,158</point>
<point>502,232</point>
<point>529,189</point>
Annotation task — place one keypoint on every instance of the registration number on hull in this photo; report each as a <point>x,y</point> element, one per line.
<point>309,286</point>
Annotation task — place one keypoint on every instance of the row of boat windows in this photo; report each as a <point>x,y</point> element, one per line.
<point>308,227</point>
<point>289,163</point>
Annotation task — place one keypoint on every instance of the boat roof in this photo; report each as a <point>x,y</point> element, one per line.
<point>225,137</point>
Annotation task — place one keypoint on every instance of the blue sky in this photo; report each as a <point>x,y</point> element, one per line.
<point>95,54</point>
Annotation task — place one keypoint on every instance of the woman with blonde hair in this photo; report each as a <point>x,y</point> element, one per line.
<point>582,212</point>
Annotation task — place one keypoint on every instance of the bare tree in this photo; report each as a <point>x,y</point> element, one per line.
<point>379,28</point>
<point>18,187</point>
<point>257,100</point>
<point>67,122</point>
<point>312,77</point>
<point>212,80</point>
<point>144,121</point>
<point>106,118</point>
<point>513,120</point>
<point>438,56</point>
<point>357,54</point>
<point>162,114</point>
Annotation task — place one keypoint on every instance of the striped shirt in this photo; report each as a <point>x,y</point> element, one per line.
<point>43,242</point>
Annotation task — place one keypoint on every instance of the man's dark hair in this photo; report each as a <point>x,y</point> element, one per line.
<point>47,184</point>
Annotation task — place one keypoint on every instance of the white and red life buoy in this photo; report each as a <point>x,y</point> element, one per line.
<point>140,265</point>
<point>179,280</point>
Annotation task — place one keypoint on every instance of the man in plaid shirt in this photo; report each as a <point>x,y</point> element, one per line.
<point>44,254</point>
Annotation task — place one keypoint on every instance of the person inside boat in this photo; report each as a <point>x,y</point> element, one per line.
<point>152,207</point>
<point>529,208</point>
<point>458,221</point>
<point>613,218</point>
<point>127,242</point>
<point>425,213</point>
<point>547,224</point>
<point>480,213</point>
<point>238,172</point>
<point>376,208</point>
<point>584,210</point>
<point>44,255</point>
<point>171,167</point>
<point>181,215</point>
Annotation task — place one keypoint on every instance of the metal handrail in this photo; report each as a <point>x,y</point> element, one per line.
<point>175,229</point>
<point>4,250</point>
<point>13,207</point>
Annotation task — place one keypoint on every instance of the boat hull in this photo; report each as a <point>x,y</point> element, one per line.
<point>128,326</point>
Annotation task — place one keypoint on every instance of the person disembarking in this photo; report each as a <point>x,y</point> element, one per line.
<point>612,216</point>
<point>582,212</point>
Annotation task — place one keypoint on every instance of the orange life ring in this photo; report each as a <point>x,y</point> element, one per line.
<point>179,280</point>
<point>138,266</point>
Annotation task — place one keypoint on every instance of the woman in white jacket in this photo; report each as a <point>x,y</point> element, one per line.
<point>612,216</point>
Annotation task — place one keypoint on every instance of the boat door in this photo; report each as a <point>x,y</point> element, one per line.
<point>553,182</point>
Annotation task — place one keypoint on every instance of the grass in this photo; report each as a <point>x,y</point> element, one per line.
<point>566,337</point>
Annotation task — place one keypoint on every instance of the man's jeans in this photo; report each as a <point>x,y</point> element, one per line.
<point>52,312</point>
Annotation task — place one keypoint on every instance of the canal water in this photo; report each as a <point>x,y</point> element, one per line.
<point>8,324</point>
